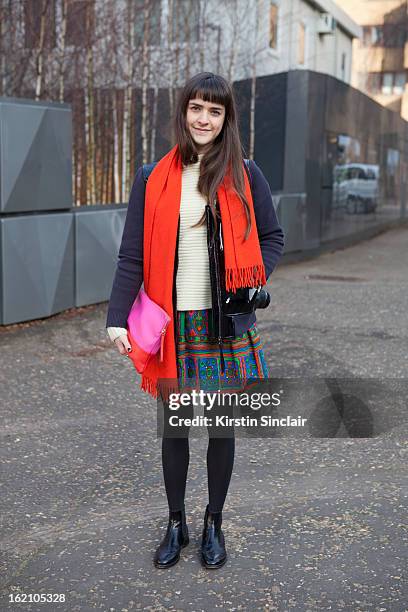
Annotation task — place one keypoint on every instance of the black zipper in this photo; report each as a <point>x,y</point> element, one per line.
<point>175,267</point>
<point>217,274</point>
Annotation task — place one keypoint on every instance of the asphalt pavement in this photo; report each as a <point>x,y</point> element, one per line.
<point>312,522</point>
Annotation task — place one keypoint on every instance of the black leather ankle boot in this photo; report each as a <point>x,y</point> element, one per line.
<point>213,553</point>
<point>168,552</point>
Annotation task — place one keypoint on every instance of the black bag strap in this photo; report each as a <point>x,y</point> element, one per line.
<point>147,169</point>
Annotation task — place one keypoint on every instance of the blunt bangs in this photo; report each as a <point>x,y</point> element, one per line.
<point>211,89</point>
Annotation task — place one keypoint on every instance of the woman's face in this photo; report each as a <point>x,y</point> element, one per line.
<point>204,121</point>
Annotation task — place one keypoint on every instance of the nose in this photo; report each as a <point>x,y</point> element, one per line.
<point>203,119</point>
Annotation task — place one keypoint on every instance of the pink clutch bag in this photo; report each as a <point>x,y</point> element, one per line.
<point>147,324</point>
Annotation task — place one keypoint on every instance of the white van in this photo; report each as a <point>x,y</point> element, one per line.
<point>356,187</point>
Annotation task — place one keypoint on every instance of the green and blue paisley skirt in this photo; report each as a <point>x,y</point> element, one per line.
<point>198,355</point>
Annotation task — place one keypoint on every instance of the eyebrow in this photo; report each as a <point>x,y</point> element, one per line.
<point>211,107</point>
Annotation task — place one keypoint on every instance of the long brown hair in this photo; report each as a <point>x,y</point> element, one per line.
<point>225,157</point>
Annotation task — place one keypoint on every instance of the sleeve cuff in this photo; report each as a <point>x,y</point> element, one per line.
<point>115,332</point>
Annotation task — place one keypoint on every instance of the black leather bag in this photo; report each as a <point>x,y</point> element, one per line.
<point>245,300</point>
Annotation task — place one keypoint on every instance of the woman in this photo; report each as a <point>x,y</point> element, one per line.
<point>200,182</point>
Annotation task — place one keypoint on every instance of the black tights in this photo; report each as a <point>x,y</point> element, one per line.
<point>220,461</point>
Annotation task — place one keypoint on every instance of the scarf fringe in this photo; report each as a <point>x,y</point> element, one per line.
<point>249,276</point>
<point>149,386</point>
<point>164,389</point>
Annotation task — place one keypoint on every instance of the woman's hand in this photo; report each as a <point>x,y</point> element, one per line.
<point>122,344</point>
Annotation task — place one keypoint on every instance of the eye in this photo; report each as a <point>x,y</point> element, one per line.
<point>214,112</point>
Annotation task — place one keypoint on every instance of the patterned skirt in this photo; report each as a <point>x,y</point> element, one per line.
<point>198,355</point>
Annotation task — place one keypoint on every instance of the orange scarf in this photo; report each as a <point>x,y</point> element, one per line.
<point>243,259</point>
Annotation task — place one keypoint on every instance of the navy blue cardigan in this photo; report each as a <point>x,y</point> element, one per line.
<point>129,272</point>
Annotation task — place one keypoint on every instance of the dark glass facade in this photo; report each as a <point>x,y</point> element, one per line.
<point>336,160</point>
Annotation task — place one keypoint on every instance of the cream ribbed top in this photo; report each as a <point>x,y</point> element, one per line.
<point>193,283</point>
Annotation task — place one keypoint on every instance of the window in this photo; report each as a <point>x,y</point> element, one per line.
<point>399,83</point>
<point>273,25</point>
<point>343,66</point>
<point>80,22</point>
<point>366,41</point>
<point>33,10</point>
<point>185,21</point>
<point>385,35</point>
<point>301,43</point>
<point>377,35</point>
<point>373,83</point>
<point>373,35</point>
<point>387,83</point>
<point>393,82</point>
<point>153,8</point>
